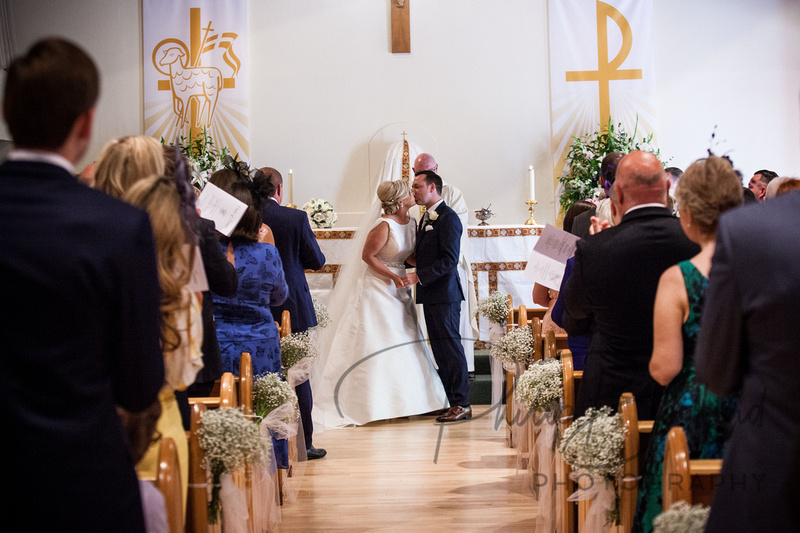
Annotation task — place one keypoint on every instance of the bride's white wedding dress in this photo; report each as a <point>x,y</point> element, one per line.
<point>377,365</point>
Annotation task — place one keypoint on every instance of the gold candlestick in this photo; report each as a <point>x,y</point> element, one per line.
<point>291,206</point>
<point>531,221</point>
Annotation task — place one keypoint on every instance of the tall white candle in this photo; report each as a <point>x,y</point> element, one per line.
<point>532,183</point>
<point>289,188</point>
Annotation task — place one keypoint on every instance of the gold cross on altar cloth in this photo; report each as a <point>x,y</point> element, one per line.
<point>607,71</point>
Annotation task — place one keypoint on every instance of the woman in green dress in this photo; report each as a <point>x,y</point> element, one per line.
<point>708,188</point>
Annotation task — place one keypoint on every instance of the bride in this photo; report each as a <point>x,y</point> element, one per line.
<point>374,359</point>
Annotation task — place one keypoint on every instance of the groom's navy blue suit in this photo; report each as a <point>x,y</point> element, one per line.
<point>440,293</point>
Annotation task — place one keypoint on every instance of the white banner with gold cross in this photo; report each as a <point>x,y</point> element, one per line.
<point>601,67</point>
<point>195,57</point>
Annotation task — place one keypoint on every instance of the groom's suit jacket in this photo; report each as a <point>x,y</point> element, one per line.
<point>438,245</point>
<point>80,333</point>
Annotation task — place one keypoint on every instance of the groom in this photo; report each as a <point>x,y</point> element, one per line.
<point>439,290</point>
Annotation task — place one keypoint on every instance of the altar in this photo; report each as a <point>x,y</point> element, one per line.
<point>498,255</point>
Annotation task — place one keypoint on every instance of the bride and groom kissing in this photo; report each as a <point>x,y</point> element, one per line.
<point>375,364</point>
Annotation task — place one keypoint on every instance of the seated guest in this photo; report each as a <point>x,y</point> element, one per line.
<point>181,309</point>
<point>125,161</point>
<point>80,321</point>
<point>244,320</point>
<point>707,189</point>
<point>758,183</point>
<point>613,287</point>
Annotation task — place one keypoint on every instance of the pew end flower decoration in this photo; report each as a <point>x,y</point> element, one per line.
<point>515,348</point>
<point>230,441</point>
<point>322,314</point>
<point>297,349</point>
<point>494,307</point>
<point>682,518</point>
<point>320,213</point>
<point>541,386</point>
<point>270,392</point>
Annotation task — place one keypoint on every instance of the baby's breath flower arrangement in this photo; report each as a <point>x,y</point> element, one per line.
<point>494,307</point>
<point>270,392</point>
<point>594,443</point>
<point>323,315</point>
<point>229,441</point>
<point>320,213</point>
<point>541,385</point>
<point>515,347</point>
<point>682,518</point>
<point>294,348</point>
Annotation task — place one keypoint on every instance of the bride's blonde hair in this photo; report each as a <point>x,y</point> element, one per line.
<point>390,193</point>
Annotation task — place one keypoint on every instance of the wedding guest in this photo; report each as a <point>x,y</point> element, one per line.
<point>758,183</point>
<point>748,197</point>
<point>772,187</point>
<point>791,184</point>
<point>81,326</point>
<point>707,189</point>
<point>125,161</point>
<point>299,251</point>
<point>749,342</point>
<point>613,287</point>
<point>181,309</point>
<point>606,178</point>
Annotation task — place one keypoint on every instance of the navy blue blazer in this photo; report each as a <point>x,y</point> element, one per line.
<point>299,251</point>
<point>80,333</point>
<point>437,250</point>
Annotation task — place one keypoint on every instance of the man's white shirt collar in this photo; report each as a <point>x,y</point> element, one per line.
<point>37,156</point>
<point>434,206</point>
<point>642,206</point>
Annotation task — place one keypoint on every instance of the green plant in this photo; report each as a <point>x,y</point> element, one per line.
<point>587,152</point>
<point>204,157</point>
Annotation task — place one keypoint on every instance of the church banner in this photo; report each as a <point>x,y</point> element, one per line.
<point>195,57</point>
<point>601,66</point>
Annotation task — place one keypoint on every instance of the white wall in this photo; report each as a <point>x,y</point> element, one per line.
<point>324,81</point>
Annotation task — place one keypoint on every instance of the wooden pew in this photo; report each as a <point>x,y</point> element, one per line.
<point>684,479</point>
<point>565,486</point>
<point>227,392</point>
<point>168,481</point>
<point>629,486</point>
<point>197,505</point>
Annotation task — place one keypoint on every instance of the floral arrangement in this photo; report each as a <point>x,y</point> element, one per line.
<point>229,441</point>
<point>494,307</point>
<point>320,213</point>
<point>682,518</point>
<point>515,347</point>
<point>594,443</point>
<point>204,158</point>
<point>270,392</point>
<point>323,315</point>
<point>587,152</point>
<point>541,385</point>
<point>294,348</point>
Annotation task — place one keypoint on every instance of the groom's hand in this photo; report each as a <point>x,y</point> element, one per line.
<point>410,279</point>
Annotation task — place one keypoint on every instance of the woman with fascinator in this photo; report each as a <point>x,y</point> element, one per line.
<point>374,361</point>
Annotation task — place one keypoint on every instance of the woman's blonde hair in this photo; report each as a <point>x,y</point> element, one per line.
<point>709,187</point>
<point>159,196</point>
<point>125,161</point>
<point>390,193</point>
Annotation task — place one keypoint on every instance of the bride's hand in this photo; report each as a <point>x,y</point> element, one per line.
<point>398,282</point>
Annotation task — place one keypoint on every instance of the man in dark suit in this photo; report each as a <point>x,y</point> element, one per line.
<point>750,342</point>
<point>80,328</point>
<point>299,251</point>
<point>439,291</point>
<point>614,283</point>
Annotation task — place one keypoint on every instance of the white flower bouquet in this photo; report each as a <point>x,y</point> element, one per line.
<point>320,213</point>
<point>541,385</point>
<point>682,518</point>
<point>323,315</point>
<point>515,347</point>
<point>295,348</point>
<point>594,443</point>
<point>229,441</point>
<point>494,307</point>
<point>271,392</point>
<point>204,158</point>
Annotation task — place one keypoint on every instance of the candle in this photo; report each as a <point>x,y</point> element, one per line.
<point>289,188</point>
<point>532,183</point>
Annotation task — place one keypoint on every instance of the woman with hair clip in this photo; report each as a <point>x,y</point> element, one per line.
<point>374,361</point>
<point>181,320</point>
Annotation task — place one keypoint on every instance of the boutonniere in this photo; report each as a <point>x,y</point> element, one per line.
<point>432,216</point>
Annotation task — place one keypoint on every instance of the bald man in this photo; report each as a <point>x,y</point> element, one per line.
<point>453,198</point>
<point>614,283</point>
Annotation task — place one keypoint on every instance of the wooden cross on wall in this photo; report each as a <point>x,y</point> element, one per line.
<point>401,27</point>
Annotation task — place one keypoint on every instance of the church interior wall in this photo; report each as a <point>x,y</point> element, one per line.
<point>323,82</point>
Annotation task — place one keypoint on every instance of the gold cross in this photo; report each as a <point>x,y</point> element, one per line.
<point>607,71</point>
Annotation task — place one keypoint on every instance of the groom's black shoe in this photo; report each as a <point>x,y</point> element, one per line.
<point>316,453</point>
<point>437,412</point>
<point>456,413</point>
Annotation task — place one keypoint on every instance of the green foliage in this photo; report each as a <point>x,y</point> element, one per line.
<point>587,152</point>
<point>204,157</point>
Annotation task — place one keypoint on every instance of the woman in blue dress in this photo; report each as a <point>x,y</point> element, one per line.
<point>707,189</point>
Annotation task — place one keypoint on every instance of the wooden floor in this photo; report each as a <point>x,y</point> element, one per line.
<point>413,475</point>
